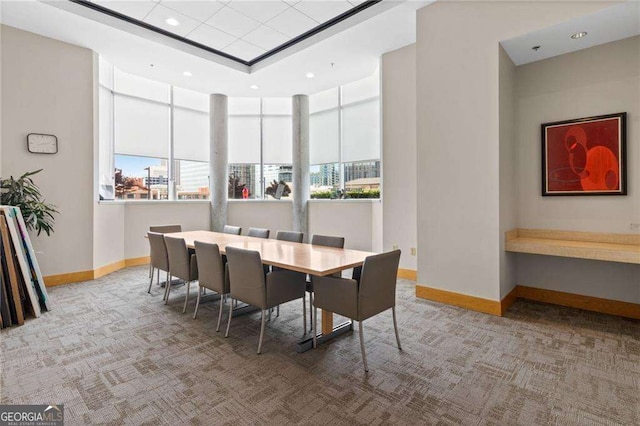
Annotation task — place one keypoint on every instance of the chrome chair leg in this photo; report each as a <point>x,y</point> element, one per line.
<point>229,320</point>
<point>395,327</point>
<point>311,312</point>
<point>150,270</point>
<point>261,333</point>
<point>304,317</point>
<point>222,300</point>
<point>277,311</point>
<point>364,355</point>
<point>167,289</point>
<point>195,313</point>
<point>150,283</point>
<point>186,297</point>
<point>157,277</point>
<point>315,326</point>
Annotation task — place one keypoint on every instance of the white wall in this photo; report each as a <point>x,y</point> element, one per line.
<point>192,215</point>
<point>458,180</point>
<point>47,87</point>
<point>399,153</point>
<point>274,215</point>
<point>601,80</point>
<point>508,196</point>
<point>351,219</point>
<point>109,234</point>
<point>596,81</point>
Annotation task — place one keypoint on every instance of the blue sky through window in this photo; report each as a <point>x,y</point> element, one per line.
<point>135,166</point>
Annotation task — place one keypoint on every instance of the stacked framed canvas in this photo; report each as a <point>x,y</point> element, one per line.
<point>22,289</point>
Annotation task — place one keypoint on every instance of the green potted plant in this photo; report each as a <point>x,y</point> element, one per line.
<point>24,193</point>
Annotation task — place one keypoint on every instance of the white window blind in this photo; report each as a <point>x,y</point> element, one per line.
<point>141,127</point>
<point>244,140</point>
<point>323,100</point>
<point>361,131</point>
<point>191,135</point>
<point>105,135</point>
<point>243,106</point>
<point>279,106</point>
<point>141,87</point>
<point>277,140</point>
<point>366,88</point>
<point>324,137</point>
<point>190,99</point>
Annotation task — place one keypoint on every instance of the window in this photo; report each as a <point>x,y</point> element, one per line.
<point>154,139</point>
<point>344,145</point>
<point>260,147</point>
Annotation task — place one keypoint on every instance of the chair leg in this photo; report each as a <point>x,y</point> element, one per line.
<point>222,300</point>
<point>270,309</point>
<point>277,311</point>
<point>304,317</point>
<point>395,327</point>
<point>364,355</point>
<point>157,277</point>
<point>195,313</point>
<point>311,313</point>
<point>314,324</point>
<point>186,298</point>
<point>167,289</point>
<point>229,321</point>
<point>150,282</point>
<point>150,271</point>
<point>261,333</point>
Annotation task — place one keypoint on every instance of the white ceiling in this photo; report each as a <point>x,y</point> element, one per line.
<point>242,28</point>
<point>334,59</point>
<point>610,24</point>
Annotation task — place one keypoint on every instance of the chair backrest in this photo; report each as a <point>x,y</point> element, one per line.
<point>295,237</point>
<point>325,240</point>
<point>233,230</point>
<point>158,251</point>
<point>246,276</point>
<point>259,232</point>
<point>210,267</point>
<point>164,229</point>
<point>179,258</point>
<point>377,290</point>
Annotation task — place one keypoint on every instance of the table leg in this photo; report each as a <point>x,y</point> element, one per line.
<point>328,332</point>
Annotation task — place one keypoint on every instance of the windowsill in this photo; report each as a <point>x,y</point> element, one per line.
<point>345,200</point>
<point>259,200</point>
<point>142,202</point>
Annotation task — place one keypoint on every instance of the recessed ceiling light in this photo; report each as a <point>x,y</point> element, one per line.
<point>310,75</point>
<point>187,73</point>
<point>579,35</point>
<point>172,21</point>
<point>254,87</point>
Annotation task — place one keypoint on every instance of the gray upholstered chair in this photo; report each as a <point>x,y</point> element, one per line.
<point>375,293</point>
<point>233,230</point>
<point>165,229</point>
<point>326,241</point>
<point>158,254</point>
<point>294,237</point>
<point>211,274</point>
<point>249,285</point>
<point>162,229</point>
<point>259,232</point>
<point>182,264</point>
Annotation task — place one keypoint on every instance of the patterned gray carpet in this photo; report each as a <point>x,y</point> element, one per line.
<point>113,354</point>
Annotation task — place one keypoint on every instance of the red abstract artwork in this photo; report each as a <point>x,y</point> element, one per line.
<point>584,156</point>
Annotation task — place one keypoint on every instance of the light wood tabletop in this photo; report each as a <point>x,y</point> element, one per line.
<point>307,258</point>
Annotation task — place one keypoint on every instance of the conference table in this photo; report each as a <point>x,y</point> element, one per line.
<point>310,259</point>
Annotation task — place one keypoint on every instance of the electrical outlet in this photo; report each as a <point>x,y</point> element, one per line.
<point>413,251</point>
<point>395,247</point>
<point>635,226</point>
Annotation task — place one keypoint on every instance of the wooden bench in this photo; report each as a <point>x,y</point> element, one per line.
<point>623,248</point>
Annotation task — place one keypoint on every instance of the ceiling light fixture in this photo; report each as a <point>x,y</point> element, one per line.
<point>310,75</point>
<point>579,35</point>
<point>172,21</point>
<point>187,73</point>
<point>254,87</point>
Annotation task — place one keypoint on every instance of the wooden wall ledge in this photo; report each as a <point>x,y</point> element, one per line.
<point>623,248</point>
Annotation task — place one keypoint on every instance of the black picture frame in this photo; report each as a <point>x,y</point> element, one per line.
<point>548,162</point>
